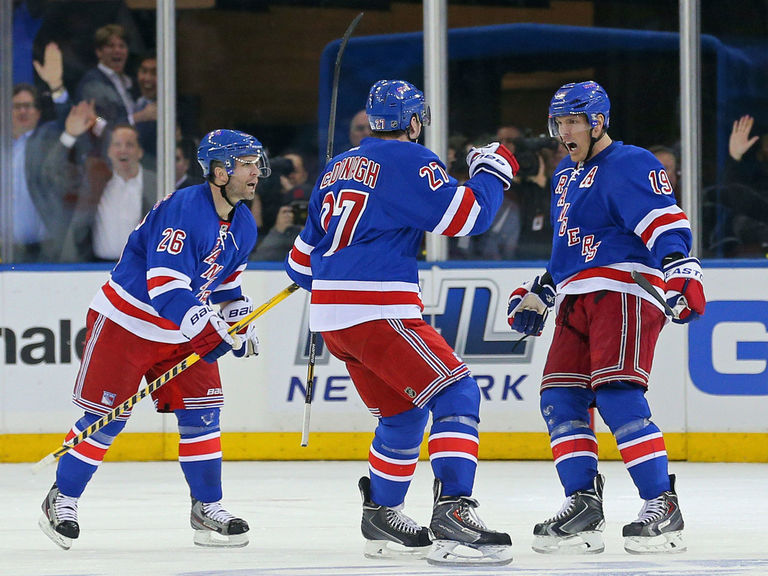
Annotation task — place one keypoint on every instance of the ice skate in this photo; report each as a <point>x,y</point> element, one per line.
<point>59,519</point>
<point>461,538</point>
<point>577,528</point>
<point>659,526</point>
<point>388,532</point>
<point>215,527</point>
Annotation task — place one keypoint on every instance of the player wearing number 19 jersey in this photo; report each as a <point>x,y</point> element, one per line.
<point>613,214</point>
<point>358,256</point>
<point>155,310</point>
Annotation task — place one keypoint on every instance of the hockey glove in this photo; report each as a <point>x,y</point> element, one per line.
<point>685,292</point>
<point>529,305</point>
<point>207,333</point>
<point>233,313</point>
<point>495,159</point>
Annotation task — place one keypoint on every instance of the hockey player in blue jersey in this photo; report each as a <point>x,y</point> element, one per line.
<point>358,256</point>
<point>613,213</point>
<point>155,310</point>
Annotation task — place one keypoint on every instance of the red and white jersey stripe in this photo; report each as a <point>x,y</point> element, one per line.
<point>453,445</point>
<point>339,304</point>
<point>661,220</point>
<point>616,278</point>
<point>642,449</point>
<point>395,469</point>
<point>139,318</point>
<point>298,258</point>
<point>161,280</point>
<point>574,446</point>
<point>232,281</point>
<point>461,215</point>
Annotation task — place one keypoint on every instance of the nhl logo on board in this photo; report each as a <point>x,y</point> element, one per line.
<point>411,392</point>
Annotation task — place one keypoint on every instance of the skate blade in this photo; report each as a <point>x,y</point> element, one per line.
<point>668,543</point>
<point>60,541</point>
<point>387,549</point>
<point>450,552</point>
<point>211,539</point>
<point>581,543</point>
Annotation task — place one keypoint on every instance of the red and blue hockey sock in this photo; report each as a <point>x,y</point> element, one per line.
<point>200,452</point>
<point>625,410</point>
<point>76,467</point>
<point>394,454</point>
<point>453,437</point>
<point>573,443</point>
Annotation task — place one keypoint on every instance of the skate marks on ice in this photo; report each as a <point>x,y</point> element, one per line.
<point>723,567</point>
<point>305,521</point>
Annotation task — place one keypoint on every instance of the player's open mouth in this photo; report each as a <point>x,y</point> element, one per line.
<point>571,146</point>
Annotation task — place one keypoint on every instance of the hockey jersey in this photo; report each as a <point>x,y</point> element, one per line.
<point>367,215</point>
<point>613,214</point>
<point>181,255</point>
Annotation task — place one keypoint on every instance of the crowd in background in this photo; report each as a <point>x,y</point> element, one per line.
<point>85,154</point>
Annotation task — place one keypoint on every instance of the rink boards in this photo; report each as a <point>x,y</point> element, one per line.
<point>708,392</point>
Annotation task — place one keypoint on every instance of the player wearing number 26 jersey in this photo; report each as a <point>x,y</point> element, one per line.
<point>154,312</point>
<point>358,256</point>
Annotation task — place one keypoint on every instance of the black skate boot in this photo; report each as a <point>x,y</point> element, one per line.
<point>215,527</point>
<point>577,528</point>
<point>658,527</point>
<point>388,532</point>
<point>461,538</point>
<point>59,519</point>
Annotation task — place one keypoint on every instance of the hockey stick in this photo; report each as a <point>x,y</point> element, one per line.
<point>328,155</point>
<point>157,383</point>
<point>642,281</point>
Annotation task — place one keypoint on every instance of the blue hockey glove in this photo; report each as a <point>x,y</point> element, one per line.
<point>529,305</point>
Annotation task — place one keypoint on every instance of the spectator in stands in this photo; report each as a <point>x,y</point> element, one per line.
<point>145,111</point>
<point>40,215</point>
<point>279,240</point>
<point>115,194</point>
<point>127,196</point>
<point>107,84</point>
<point>296,185</point>
<point>358,128</point>
<point>187,170</point>
<point>507,135</point>
<point>745,197</point>
<point>668,159</point>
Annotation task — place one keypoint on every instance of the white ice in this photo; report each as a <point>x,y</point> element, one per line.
<point>305,517</point>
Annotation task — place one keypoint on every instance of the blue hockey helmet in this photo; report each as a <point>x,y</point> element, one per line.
<point>579,98</point>
<point>228,146</point>
<point>392,103</point>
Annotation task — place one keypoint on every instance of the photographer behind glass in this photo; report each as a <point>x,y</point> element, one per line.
<point>290,217</point>
<point>532,190</point>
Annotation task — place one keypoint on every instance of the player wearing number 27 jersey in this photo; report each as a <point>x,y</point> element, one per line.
<point>367,217</point>
<point>358,256</point>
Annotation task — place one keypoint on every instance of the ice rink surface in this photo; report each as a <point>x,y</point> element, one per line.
<point>305,516</point>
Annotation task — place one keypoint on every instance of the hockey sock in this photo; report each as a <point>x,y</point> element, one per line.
<point>625,410</point>
<point>573,443</point>
<point>394,454</point>
<point>453,438</point>
<point>76,467</point>
<point>200,452</point>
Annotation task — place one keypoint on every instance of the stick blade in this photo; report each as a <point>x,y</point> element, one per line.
<point>44,463</point>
